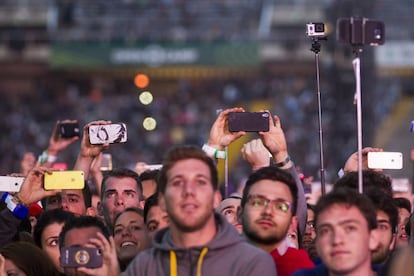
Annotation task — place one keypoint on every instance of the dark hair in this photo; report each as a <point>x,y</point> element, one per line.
<point>29,258</point>
<point>402,202</point>
<point>275,174</point>
<point>150,202</point>
<point>87,195</point>
<point>349,198</point>
<point>386,204</point>
<point>82,222</point>
<point>120,173</point>
<point>137,210</point>
<point>47,218</point>
<point>369,179</point>
<point>149,175</point>
<point>182,153</point>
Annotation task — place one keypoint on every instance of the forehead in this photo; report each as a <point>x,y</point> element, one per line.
<point>229,202</point>
<point>80,236</point>
<point>66,193</point>
<point>338,213</point>
<point>52,229</point>
<point>271,189</point>
<point>189,168</point>
<point>121,183</point>
<point>155,212</point>
<point>127,217</point>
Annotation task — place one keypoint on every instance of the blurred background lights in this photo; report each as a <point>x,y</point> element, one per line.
<point>146,97</point>
<point>149,123</point>
<point>141,80</point>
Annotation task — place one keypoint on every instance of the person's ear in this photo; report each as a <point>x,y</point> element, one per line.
<point>91,211</point>
<point>141,204</point>
<point>374,239</point>
<point>217,199</point>
<point>293,227</point>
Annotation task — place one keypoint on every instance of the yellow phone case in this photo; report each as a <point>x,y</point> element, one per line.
<point>64,180</point>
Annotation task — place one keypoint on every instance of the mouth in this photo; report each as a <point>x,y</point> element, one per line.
<point>128,243</point>
<point>338,253</point>
<point>403,237</point>
<point>189,207</point>
<point>265,223</point>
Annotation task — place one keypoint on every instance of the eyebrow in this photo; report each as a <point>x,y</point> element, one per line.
<point>347,221</point>
<point>228,207</point>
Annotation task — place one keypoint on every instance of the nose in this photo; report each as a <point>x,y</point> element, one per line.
<point>188,188</point>
<point>126,232</point>
<point>337,237</point>
<point>119,201</point>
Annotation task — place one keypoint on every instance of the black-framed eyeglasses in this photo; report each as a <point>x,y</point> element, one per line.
<point>279,204</point>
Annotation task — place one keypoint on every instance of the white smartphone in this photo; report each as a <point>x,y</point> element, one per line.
<point>10,183</point>
<point>113,133</point>
<point>385,160</point>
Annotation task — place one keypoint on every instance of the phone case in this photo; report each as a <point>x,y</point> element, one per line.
<point>10,183</point>
<point>385,160</point>
<point>248,121</point>
<point>102,134</point>
<point>64,180</point>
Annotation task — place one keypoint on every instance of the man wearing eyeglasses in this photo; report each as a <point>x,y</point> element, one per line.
<point>268,210</point>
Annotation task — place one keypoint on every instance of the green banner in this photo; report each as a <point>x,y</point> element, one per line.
<point>94,55</point>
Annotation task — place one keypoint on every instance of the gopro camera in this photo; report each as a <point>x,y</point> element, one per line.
<point>69,130</point>
<point>248,121</point>
<point>77,256</point>
<point>360,31</point>
<point>315,29</point>
<point>113,133</point>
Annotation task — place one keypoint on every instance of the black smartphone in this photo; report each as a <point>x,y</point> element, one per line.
<point>77,256</point>
<point>248,121</point>
<point>69,130</point>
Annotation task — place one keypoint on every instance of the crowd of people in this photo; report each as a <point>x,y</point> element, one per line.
<point>176,221</point>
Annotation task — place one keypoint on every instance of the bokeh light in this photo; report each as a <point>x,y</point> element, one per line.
<point>141,80</point>
<point>146,97</point>
<point>149,123</point>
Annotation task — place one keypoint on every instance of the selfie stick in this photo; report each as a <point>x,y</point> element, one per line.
<point>316,48</point>
<point>357,98</point>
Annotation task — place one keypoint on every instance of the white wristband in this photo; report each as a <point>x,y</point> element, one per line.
<point>214,153</point>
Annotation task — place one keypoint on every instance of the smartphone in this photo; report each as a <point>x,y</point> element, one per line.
<point>153,167</point>
<point>10,183</point>
<point>64,180</point>
<point>102,134</point>
<point>248,121</point>
<point>385,160</point>
<point>106,164</point>
<point>77,256</point>
<point>69,130</point>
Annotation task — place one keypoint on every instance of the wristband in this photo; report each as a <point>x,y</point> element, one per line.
<point>283,163</point>
<point>46,158</point>
<point>212,152</point>
<point>18,210</point>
